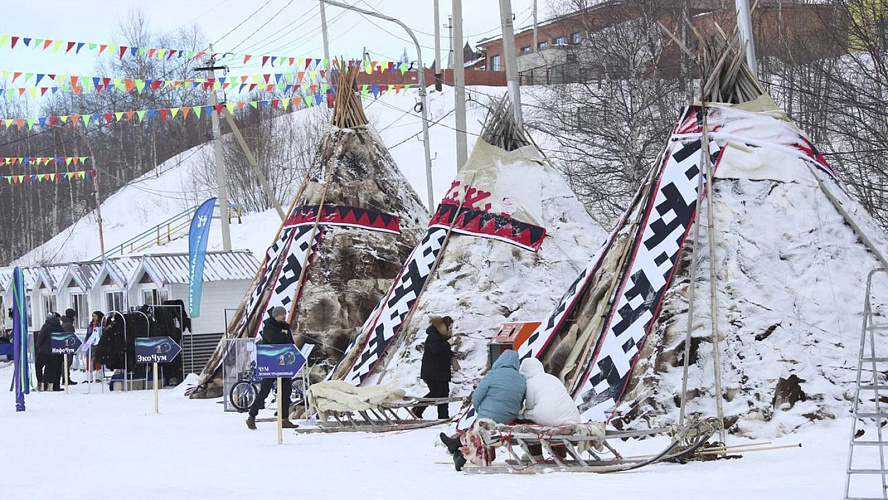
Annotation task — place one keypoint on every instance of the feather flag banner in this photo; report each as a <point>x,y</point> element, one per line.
<point>21,378</point>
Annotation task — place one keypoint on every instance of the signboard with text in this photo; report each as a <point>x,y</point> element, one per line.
<point>278,360</point>
<point>64,342</point>
<point>156,350</point>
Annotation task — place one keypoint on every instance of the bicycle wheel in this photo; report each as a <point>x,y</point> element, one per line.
<point>242,395</point>
<point>297,396</point>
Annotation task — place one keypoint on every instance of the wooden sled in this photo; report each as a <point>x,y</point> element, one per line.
<point>388,417</point>
<point>561,452</point>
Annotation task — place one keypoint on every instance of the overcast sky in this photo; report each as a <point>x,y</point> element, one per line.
<point>295,31</point>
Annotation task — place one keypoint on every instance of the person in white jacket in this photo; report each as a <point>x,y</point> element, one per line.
<point>546,400</point>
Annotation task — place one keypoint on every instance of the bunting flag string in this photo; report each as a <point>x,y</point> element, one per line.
<point>296,103</point>
<point>30,82</point>
<point>42,160</point>
<point>16,42</point>
<point>49,177</point>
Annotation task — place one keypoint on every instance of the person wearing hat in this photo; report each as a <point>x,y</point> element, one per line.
<point>437,360</point>
<point>68,325</point>
<point>275,330</point>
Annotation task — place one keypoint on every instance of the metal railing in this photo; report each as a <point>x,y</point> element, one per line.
<point>171,229</point>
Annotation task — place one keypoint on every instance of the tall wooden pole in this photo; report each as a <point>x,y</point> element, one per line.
<point>438,65</point>
<point>324,32</point>
<point>744,22</point>
<point>221,173</point>
<point>509,57</point>
<point>459,87</point>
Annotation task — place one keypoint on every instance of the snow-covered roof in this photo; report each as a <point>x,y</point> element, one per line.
<point>120,269</point>
<point>218,266</point>
<point>83,274</point>
<point>5,278</point>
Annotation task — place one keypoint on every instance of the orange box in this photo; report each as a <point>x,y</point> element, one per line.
<point>517,332</point>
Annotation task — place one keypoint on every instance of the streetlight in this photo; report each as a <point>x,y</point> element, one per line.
<point>422,88</point>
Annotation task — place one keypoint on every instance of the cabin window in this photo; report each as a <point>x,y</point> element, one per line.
<point>495,63</point>
<point>525,49</point>
<point>155,297</point>
<point>542,45</point>
<point>114,301</point>
<point>576,37</point>
<point>78,303</point>
<point>560,40</point>
<point>49,304</point>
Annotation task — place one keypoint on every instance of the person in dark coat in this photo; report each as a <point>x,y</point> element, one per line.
<point>48,373</point>
<point>68,325</point>
<point>436,363</point>
<point>275,330</point>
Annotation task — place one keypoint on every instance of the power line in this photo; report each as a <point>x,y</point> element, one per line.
<point>261,26</point>
<point>242,22</point>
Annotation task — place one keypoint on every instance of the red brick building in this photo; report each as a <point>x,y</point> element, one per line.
<point>786,29</point>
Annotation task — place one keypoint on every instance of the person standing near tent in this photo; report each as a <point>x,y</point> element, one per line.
<point>47,372</point>
<point>275,330</point>
<point>437,359</point>
<point>68,326</point>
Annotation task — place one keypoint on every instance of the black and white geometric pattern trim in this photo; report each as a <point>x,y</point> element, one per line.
<point>669,215</point>
<point>269,274</point>
<point>288,278</point>
<point>383,326</point>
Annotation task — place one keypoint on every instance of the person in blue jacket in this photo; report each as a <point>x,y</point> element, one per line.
<point>498,397</point>
<point>501,392</point>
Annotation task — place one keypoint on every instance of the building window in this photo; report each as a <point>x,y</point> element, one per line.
<point>560,41</point>
<point>114,301</point>
<point>28,308</point>
<point>154,297</point>
<point>525,49</point>
<point>78,303</point>
<point>495,63</point>
<point>543,45</point>
<point>49,304</point>
<point>576,37</point>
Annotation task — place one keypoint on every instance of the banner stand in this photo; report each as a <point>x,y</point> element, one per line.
<point>65,357</point>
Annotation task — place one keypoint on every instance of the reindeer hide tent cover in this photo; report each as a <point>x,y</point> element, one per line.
<point>351,225</point>
<point>507,234</point>
<point>623,296</point>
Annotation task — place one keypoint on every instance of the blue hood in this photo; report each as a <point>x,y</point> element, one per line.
<point>508,359</point>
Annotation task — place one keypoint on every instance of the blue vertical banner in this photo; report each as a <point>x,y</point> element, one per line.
<point>197,252</point>
<point>21,379</point>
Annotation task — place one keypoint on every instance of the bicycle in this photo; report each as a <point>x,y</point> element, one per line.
<point>243,393</point>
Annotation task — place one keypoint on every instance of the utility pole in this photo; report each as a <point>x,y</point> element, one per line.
<point>324,31</point>
<point>438,85</point>
<point>459,86</point>
<point>744,22</point>
<point>535,39</point>
<point>422,89</point>
<point>509,58</point>
<point>221,174</point>
<point>450,41</point>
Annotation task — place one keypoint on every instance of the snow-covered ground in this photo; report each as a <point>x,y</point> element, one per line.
<point>112,445</point>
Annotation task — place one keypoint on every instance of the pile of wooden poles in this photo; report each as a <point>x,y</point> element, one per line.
<point>347,109</point>
<point>727,77</point>
<point>500,129</point>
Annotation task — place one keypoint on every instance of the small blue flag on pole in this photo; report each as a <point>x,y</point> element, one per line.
<point>197,252</point>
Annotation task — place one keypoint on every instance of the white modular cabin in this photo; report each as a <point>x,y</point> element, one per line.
<point>226,277</point>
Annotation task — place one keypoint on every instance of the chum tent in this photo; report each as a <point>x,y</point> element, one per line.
<point>505,237</point>
<point>349,228</point>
